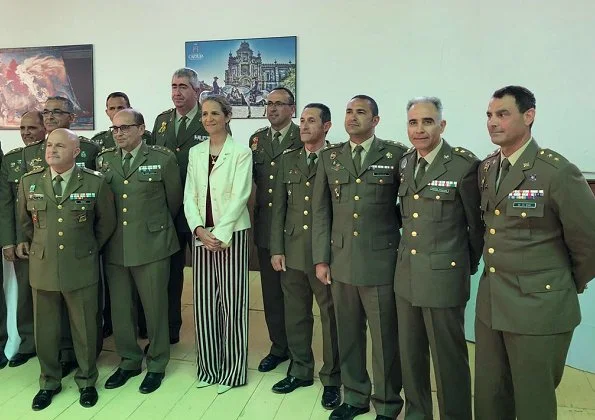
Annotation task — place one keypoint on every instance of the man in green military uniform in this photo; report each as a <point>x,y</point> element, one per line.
<point>11,170</point>
<point>267,146</point>
<point>137,256</point>
<point>115,102</point>
<point>67,214</point>
<point>439,250</point>
<point>539,214</point>
<point>355,239</point>
<point>179,129</point>
<point>58,112</point>
<point>291,250</point>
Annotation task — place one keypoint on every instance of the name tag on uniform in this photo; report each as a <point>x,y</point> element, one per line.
<point>381,170</point>
<point>524,205</point>
<point>440,190</point>
<point>525,194</point>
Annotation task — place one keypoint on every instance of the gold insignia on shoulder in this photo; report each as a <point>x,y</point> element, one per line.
<point>163,127</point>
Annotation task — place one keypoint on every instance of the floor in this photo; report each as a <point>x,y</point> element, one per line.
<point>178,398</point>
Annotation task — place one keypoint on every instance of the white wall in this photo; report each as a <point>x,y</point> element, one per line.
<point>459,50</point>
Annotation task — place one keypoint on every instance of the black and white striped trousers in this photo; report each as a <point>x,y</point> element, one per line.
<point>221,311</point>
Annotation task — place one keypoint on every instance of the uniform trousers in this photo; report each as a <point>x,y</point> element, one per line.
<point>82,306</point>
<point>24,307</point>
<point>354,305</point>
<point>221,311</point>
<point>272,298</point>
<point>440,331</point>
<point>516,375</point>
<point>176,284</point>
<point>150,280</point>
<point>298,290</point>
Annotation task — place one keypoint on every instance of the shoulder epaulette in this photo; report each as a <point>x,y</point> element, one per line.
<point>260,130</point>
<point>101,133</point>
<point>333,146</point>
<point>409,151</point>
<point>492,154</point>
<point>86,140</point>
<point>167,111</point>
<point>161,149</point>
<point>34,171</point>
<point>109,149</point>
<point>394,143</point>
<point>464,153</point>
<point>553,158</point>
<point>18,149</point>
<point>35,143</point>
<point>92,172</point>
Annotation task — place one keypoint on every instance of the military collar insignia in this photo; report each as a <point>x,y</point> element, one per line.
<point>389,155</point>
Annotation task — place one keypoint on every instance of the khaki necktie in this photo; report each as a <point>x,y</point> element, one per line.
<point>421,171</point>
<point>504,168</point>
<point>277,142</point>
<point>357,158</point>
<point>182,130</point>
<point>312,161</point>
<point>58,186</point>
<point>126,164</point>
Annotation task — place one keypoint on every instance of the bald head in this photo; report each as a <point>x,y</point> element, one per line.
<point>32,128</point>
<point>61,149</point>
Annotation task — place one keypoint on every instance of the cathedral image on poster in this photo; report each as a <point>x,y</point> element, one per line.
<point>244,70</point>
<point>28,76</point>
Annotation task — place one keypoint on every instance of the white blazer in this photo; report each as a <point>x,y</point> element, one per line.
<point>230,184</point>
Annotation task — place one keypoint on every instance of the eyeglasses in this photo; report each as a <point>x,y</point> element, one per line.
<point>56,112</point>
<point>125,128</point>
<point>276,104</point>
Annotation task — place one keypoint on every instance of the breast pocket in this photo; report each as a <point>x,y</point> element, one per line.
<point>522,214</point>
<point>383,181</point>
<point>38,210</point>
<point>81,212</point>
<point>338,183</point>
<point>440,198</point>
<point>291,181</point>
<point>151,176</point>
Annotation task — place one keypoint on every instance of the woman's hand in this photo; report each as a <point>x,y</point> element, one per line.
<point>208,239</point>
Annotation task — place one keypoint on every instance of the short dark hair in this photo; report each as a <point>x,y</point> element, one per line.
<point>36,113</point>
<point>290,93</point>
<point>372,102</point>
<point>118,95</point>
<point>523,97</point>
<point>66,101</point>
<point>325,112</point>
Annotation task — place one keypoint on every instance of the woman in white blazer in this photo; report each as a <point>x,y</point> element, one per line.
<point>217,189</point>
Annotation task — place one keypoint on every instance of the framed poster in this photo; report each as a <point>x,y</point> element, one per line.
<point>28,76</point>
<point>244,70</point>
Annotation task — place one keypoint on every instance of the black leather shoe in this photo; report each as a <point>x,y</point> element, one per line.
<point>107,331</point>
<point>347,412</point>
<point>331,397</point>
<point>68,367</point>
<point>44,398</point>
<point>290,384</point>
<point>151,382</point>
<point>20,359</point>
<point>270,362</point>
<point>120,377</point>
<point>3,360</point>
<point>379,417</point>
<point>88,396</point>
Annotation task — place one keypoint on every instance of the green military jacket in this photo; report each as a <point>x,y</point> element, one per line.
<point>66,235</point>
<point>11,171</point>
<point>164,134</point>
<point>442,229</point>
<point>147,200</point>
<point>355,226</point>
<point>539,240</point>
<point>34,155</point>
<point>291,224</point>
<point>105,139</point>
<point>265,169</point>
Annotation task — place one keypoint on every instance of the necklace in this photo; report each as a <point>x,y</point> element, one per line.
<point>213,159</point>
